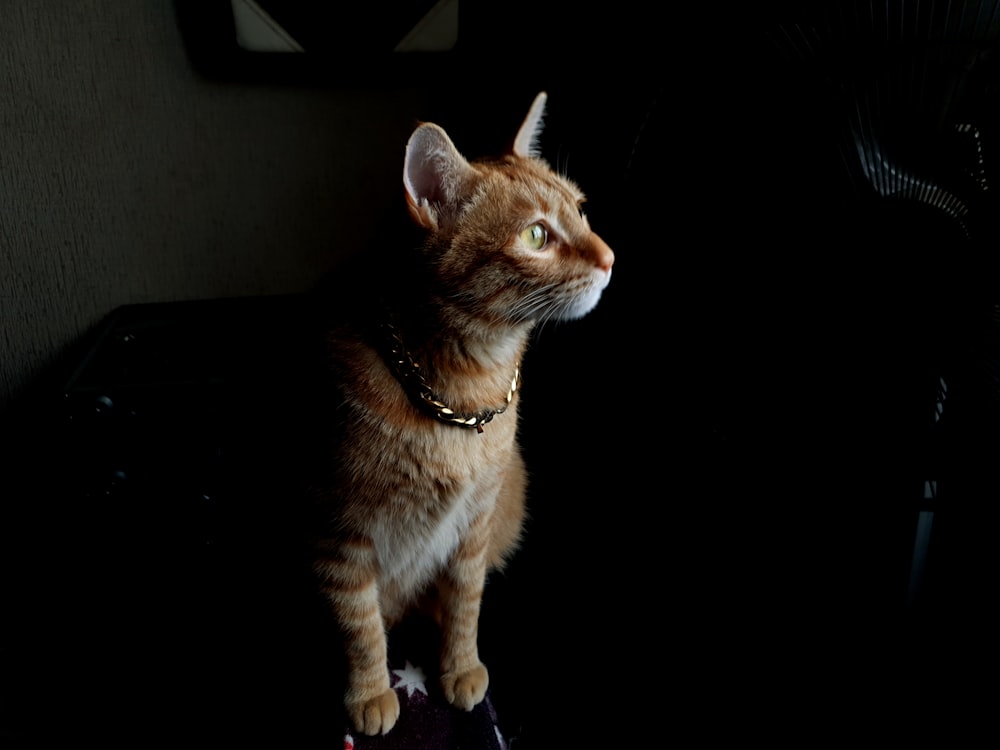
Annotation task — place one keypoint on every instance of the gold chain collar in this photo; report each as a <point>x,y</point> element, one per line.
<point>408,373</point>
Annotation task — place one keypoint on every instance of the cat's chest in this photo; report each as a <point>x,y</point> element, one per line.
<point>439,488</point>
<point>411,547</point>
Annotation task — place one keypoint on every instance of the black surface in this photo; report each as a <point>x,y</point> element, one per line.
<point>154,539</point>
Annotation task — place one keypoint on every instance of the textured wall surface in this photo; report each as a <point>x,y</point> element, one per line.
<point>127,177</point>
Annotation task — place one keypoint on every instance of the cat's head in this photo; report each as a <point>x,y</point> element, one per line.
<point>507,236</point>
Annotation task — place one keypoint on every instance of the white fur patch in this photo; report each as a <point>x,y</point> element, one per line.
<point>412,555</point>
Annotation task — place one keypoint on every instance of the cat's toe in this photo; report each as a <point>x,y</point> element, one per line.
<point>466,689</point>
<point>376,715</point>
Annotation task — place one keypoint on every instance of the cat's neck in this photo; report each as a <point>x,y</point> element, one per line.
<point>468,362</point>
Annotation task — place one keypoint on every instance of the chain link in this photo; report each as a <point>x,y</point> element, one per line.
<point>409,374</point>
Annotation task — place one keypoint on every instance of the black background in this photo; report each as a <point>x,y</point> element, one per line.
<point>728,455</point>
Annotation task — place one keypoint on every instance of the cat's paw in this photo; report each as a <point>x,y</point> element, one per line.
<point>376,715</point>
<point>467,688</point>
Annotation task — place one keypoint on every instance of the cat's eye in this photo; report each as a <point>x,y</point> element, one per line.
<point>535,236</point>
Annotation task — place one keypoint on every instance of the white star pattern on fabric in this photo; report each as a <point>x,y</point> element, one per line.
<point>412,678</point>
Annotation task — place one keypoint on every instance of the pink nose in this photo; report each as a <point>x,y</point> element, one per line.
<point>603,256</point>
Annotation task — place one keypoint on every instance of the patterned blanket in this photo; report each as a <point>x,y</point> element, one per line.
<point>428,722</point>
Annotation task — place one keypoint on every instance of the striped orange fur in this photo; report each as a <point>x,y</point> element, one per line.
<point>416,505</point>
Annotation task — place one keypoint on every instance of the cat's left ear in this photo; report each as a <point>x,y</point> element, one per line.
<point>526,142</point>
<point>434,174</point>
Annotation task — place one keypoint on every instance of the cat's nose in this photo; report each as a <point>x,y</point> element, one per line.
<point>603,256</point>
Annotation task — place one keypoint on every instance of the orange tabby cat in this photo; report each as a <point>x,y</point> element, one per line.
<point>428,485</point>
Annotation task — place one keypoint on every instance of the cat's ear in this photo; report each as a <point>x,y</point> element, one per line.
<point>434,173</point>
<point>526,142</point>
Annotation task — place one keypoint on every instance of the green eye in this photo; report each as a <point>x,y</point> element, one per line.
<point>534,236</point>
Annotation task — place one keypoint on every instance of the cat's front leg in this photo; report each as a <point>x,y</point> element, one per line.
<point>464,678</point>
<point>350,585</point>
<point>372,706</point>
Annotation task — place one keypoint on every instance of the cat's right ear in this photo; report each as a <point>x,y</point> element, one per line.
<point>434,173</point>
<point>527,141</point>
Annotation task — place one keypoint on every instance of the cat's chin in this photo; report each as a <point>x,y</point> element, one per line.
<point>584,303</point>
